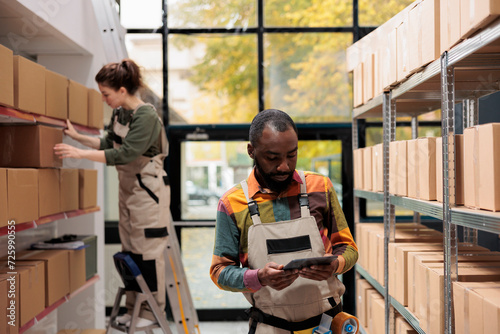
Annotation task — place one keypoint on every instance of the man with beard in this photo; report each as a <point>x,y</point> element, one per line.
<point>277,215</point>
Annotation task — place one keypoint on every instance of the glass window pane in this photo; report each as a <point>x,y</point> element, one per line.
<point>211,14</point>
<point>376,12</point>
<point>208,169</point>
<point>305,76</point>
<point>312,13</point>
<point>141,14</point>
<point>212,79</point>
<point>197,245</point>
<point>146,51</point>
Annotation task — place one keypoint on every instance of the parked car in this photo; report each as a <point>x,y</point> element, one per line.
<point>200,196</point>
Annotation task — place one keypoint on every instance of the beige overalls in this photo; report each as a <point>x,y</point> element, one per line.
<point>144,200</point>
<point>281,242</point>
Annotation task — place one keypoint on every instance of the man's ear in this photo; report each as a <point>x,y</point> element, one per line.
<point>250,151</point>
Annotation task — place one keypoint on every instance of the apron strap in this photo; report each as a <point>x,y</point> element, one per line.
<point>303,199</point>
<point>257,316</point>
<point>252,204</point>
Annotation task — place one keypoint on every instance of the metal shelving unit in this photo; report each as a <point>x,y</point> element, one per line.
<point>467,72</point>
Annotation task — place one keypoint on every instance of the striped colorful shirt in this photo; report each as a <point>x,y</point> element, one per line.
<point>229,269</point>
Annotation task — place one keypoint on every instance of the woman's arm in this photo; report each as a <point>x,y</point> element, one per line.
<point>68,151</point>
<point>92,142</point>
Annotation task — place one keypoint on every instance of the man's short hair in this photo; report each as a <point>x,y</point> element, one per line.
<point>274,118</point>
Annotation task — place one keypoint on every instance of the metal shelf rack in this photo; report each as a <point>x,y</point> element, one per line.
<point>465,73</point>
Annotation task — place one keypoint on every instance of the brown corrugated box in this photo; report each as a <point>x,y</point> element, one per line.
<point>489,166</point>
<point>11,297</point>
<point>376,316</point>
<point>481,166</point>
<point>459,170</point>
<point>450,33</point>
<point>430,292</point>
<point>56,95</point>
<point>56,272</point>
<point>477,14</point>
<point>3,197</point>
<point>362,290</point>
<point>393,166</point>
<point>29,146</point>
<point>367,168</point>
<point>48,192</point>
<point>398,169</point>
<point>403,327</point>
<point>358,168</point>
<point>87,188</point>
<point>426,184</point>
<point>357,85</point>
<point>77,277</point>
<point>377,168</point>
<point>69,191</point>
<point>31,289</point>
<point>7,75</point>
<point>29,86</point>
<point>78,103</point>
<point>22,194</point>
<point>412,159</point>
<point>477,307</point>
<point>95,109</point>
<point>430,31</point>
<point>4,303</point>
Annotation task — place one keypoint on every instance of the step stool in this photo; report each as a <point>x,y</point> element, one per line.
<point>129,271</point>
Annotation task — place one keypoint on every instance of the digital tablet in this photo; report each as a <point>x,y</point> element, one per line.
<point>307,262</point>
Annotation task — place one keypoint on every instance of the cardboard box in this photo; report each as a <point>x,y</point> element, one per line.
<point>87,183</point>
<point>95,111</point>
<point>4,303</point>
<point>3,198</point>
<point>430,304</point>
<point>29,146</point>
<point>7,75</point>
<point>48,192</point>
<point>368,77</point>
<point>11,285</point>
<point>78,101</point>
<point>358,168</point>
<point>77,277</point>
<point>426,179</point>
<point>90,242</point>
<point>68,187</point>
<point>377,315</point>
<point>362,290</point>
<point>57,282</point>
<point>450,24</point>
<point>412,156</point>
<point>22,192</point>
<point>431,41</point>
<point>357,85</point>
<point>477,14</point>
<point>367,168</point>
<point>29,86</point>
<point>489,166</point>
<point>477,307</point>
<point>31,289</point>
<point>414,256</point>
<point>56,95</point>
<point>398,169</point>
<point>402,51</point>
<point>471,159</point>
<point>458,199</point>
<point>378,167</point>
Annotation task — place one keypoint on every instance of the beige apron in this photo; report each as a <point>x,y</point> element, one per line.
<point>144,200</point>
<point>281,242</point>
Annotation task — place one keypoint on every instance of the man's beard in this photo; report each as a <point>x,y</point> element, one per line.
<point>276,186</point>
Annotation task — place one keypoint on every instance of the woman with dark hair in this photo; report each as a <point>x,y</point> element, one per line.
<point>136,144</point>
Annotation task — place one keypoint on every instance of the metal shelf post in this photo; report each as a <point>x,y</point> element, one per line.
<point>389,114</point>
<point>449,229</point>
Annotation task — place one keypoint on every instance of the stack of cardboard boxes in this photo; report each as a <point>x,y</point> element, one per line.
<point>33,183</point>
<point>30,87</point>
<point>416,278</point>
<point>416,168</point>
<point>410,40</point>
